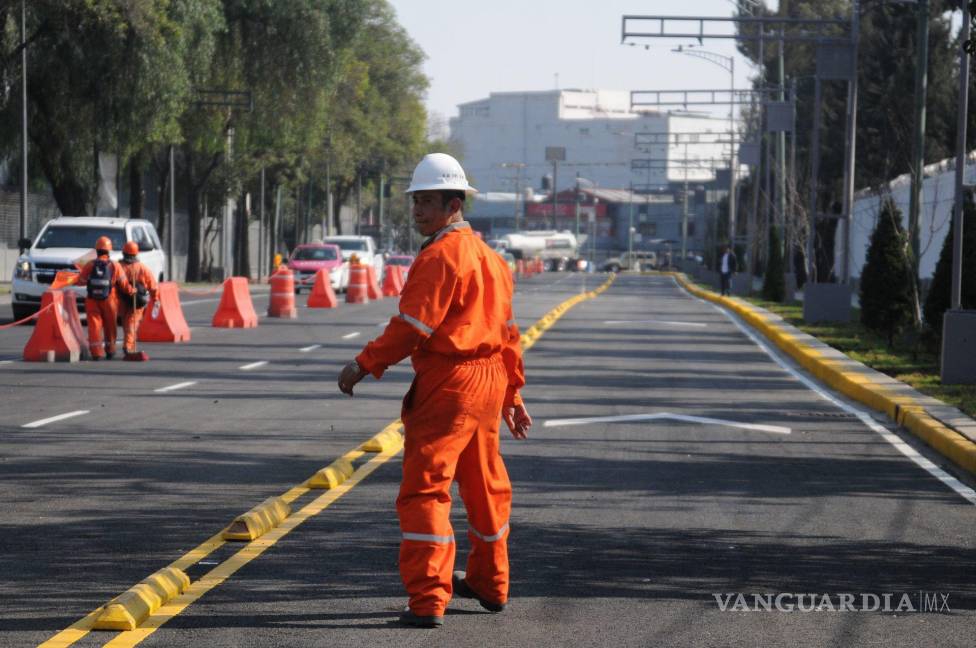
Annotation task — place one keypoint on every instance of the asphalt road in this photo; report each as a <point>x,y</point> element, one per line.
<point>629,532</point>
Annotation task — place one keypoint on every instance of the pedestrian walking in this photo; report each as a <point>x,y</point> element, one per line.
<point>456,324</point>
<point>727,268</point>
<point>102,278</point>
<point>132,308</point>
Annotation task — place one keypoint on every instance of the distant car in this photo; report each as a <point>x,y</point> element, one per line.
<point>402,260</point>
<point>63,241</point>
<point>308,258</point>
<point>509,260</point>
<point>638,260</point>
<point>364,247</point>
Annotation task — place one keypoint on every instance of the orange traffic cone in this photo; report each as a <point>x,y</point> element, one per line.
<point>322,294</point>
<point>358,290</point>
<point>53,338</point>
<point>391,287</point>
<point>372,285</point>
<point>236,309</point>
<point>282,302</point>
<point>164,321</point>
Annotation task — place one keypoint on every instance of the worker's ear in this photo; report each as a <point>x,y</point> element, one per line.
<point>455,205</point>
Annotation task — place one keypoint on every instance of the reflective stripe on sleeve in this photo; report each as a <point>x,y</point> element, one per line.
<point>417,324</point>
<point>491,538</point>
<point>428,537</point>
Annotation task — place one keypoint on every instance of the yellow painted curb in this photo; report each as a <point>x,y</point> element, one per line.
<point>903,410</point>
<point>258,521</point>
<point>130,608</point>
<point>332,475</point>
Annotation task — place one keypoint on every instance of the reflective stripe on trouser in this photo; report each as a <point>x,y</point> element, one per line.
<point>131,318</point>
<point>101,314</point>
<point>451,416</point>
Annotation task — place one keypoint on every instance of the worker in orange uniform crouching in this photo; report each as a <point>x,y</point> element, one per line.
<point>102,277</point>
<point>132,308</point>
<point>456,324</point>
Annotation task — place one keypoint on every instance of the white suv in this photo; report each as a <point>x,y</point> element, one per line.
<point>63,241</point>
<point>363,247</point>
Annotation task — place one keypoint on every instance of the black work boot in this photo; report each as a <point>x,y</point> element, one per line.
<point>462,589</point>
<point>408,618</point>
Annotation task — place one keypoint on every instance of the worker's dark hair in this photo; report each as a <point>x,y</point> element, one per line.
<point>446,197</point>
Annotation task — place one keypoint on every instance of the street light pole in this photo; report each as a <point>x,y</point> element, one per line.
<point>963,110</point>
<point>23,118</point>
<point>918,160</point>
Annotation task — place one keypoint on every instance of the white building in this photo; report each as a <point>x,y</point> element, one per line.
<point>601,135</point>
<point>938,196</point>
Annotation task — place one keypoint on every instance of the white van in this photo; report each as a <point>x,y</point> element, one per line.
<point>364,247</point>
<point>63,241</point>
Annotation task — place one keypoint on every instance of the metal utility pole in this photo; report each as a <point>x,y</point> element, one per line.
<point>814,179</point>
<point>781,149</point>
<point>381,211</point>
<point>170,235</point>
<point>577,206</point>
<point>359,201</point>
<point>262,232</point>
<point>554,197</point>
<point>963,111</point>
<point>630,225</point>
<point>23,121</point>
<point>850,150</point>
<point>918,159</point>
<point>518,166</point>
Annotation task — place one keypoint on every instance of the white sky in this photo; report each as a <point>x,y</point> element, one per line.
<point>475,47</point>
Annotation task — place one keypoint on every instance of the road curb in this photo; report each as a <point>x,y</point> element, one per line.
<point>902,404</point>
<point>131,607</point>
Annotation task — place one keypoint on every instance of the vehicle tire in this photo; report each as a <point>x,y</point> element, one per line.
<point>298,290</point>
<point>613,267</point>
<point>20,311</point>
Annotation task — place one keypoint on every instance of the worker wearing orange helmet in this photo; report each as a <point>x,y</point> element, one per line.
<point>132,308</point>
<point>103,277</point>
<point>457,326</point>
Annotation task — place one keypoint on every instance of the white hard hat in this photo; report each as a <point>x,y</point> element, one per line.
<point>439,172</point>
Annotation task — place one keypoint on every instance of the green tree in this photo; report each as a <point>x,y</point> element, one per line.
<point>887,297</point>
<point>939,299</point>
<point>774,284</point>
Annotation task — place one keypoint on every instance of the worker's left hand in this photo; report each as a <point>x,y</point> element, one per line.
<point>351,374</point>
<point>518,420</point>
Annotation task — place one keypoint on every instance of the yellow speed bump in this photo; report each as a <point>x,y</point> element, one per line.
<point>387,440</point>
<point>258,521</point>
<point>332,475</point>
<point>131,607</point>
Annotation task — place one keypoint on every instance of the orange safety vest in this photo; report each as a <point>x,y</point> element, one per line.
<point>456,305</point>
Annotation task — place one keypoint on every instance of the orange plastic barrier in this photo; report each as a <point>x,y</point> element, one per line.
<point>401,278</point>
<point>53,338</point>
<point>74,321</point>
<point>322,294</point>
<point>372,285</point>
<point>164,321</point>
<point>236,309</point>
<point>391,284</point>
<point>358,290</point>
<point>282,303</point>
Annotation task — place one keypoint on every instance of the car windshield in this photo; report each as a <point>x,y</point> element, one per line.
<point>400,261</point>
<point>315,254</point>
<point>74,236</point>
<point>355,246</point>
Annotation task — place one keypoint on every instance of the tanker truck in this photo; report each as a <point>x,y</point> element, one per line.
<point>557,249</point>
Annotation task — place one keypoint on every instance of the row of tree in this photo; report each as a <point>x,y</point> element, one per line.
<point>884,144</point>
<point>333,85</point>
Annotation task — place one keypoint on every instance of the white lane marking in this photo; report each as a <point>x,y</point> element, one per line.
<point>774,429</point>
<point>383,323</point>
<point>59,417</point>
<point>656,321</point>
<point>349,336</point>
<point>6,361</point>
<point>199,301</point>
<point>963,490</point>
<point>253,365</point>
<point>310,348</point>
<point>181,385</point>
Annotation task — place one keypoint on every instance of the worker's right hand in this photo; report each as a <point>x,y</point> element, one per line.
<point>518,420</point>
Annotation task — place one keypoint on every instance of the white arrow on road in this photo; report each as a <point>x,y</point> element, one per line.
<point>657,321</point>
<point>774,429</point>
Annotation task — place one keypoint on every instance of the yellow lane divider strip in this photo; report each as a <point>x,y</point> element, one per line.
<point>255,548</point>
<point>252,550</point>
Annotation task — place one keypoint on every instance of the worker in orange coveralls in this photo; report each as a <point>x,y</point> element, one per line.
<point>456,324</point>
<point>132,308</point>
<point>103,277</point>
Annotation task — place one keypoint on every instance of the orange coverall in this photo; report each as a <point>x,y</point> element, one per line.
<point>102,313</point>
<point>135,272</point>
<point>456,324</point>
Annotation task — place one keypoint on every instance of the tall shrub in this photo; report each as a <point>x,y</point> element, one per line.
<point>939,298</point>
<point>774,285</point>
<point>886,280</point>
